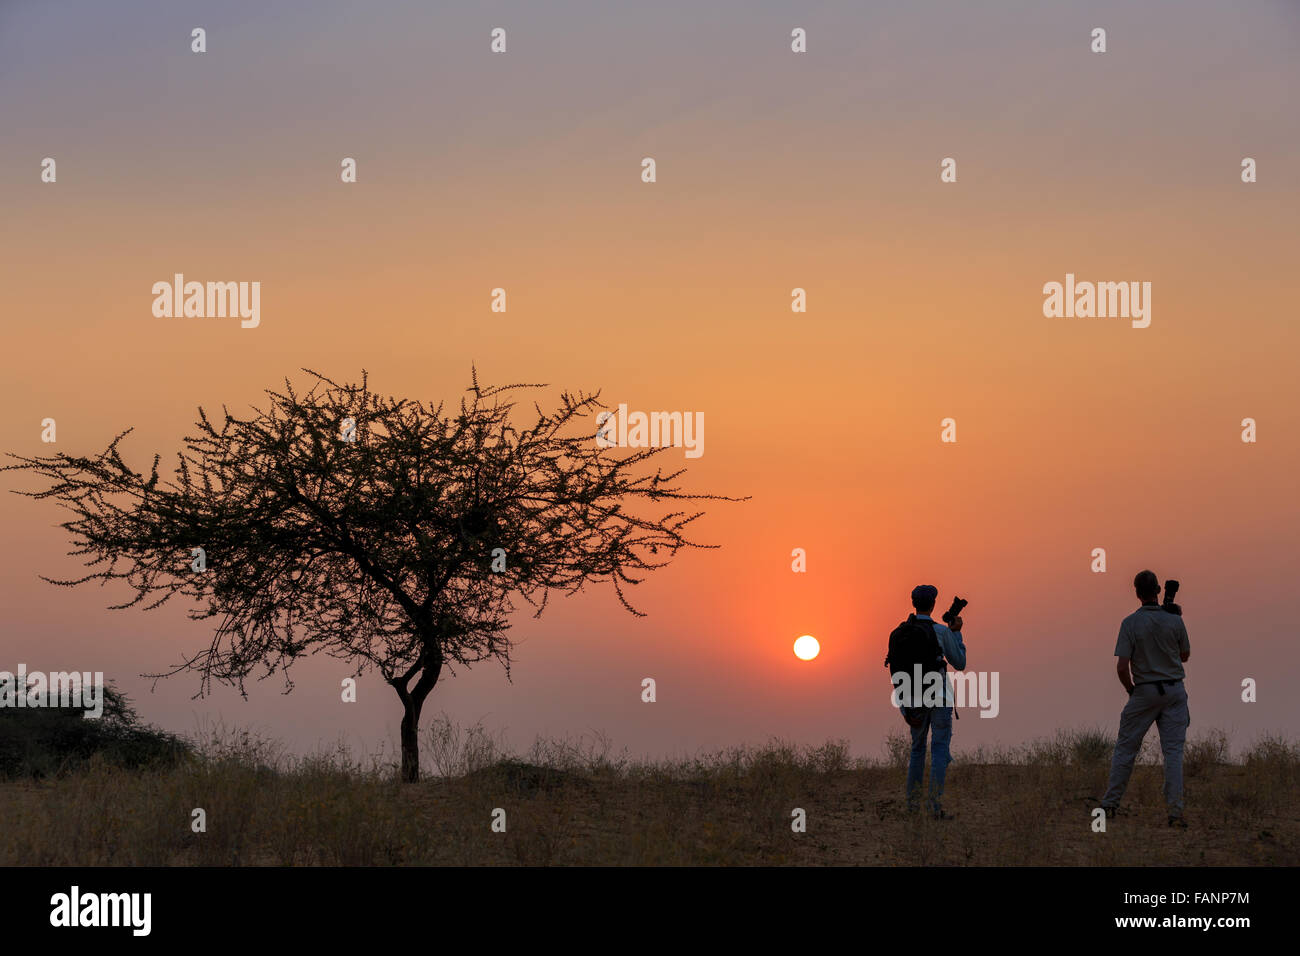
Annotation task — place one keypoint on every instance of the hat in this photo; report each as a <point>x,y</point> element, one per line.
<point>924,594</point>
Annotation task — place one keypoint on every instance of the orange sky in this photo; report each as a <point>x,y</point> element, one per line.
<point>775,171</point>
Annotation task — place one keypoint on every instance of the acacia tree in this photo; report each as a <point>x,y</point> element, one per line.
<point>389,533</point>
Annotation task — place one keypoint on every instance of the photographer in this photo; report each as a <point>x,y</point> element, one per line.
<point>917,647</point>
<point>1150,652</point>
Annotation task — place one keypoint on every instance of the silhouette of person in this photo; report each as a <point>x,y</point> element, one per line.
<point>934,721</point>
<point>1150,653</point>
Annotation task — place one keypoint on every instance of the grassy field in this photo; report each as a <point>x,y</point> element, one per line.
<point>575,803</point>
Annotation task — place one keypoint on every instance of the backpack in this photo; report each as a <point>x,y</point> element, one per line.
<point>914,644</point>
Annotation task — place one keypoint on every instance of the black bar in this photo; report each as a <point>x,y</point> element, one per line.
<point>342,906</point>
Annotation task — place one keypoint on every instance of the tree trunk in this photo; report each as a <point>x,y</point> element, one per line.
<point>412,703</point>
<point>410,741</point>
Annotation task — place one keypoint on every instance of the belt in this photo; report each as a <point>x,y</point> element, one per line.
<point>1160,684</point>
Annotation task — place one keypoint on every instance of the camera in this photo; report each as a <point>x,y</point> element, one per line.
<point>1171,589</point>
<point>950,615</point>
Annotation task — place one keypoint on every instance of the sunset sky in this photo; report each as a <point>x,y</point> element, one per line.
<point>775,170</point>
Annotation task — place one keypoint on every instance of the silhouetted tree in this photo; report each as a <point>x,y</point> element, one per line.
<point>366,527</point>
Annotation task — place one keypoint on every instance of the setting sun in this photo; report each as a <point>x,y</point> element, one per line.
<point>806,647</point>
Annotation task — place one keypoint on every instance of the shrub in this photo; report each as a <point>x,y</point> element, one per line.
<point>49,741</point>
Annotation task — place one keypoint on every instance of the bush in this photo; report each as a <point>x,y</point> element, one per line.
<point>1090,746</point>
<point>49,741</point>
<point>1206,751</point>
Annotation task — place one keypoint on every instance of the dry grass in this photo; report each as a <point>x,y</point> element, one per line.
<point>574,802</point>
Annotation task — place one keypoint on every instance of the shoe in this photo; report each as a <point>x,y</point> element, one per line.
<point>942,815</point>
<point>1110,812</point>
<point>1177,821</point>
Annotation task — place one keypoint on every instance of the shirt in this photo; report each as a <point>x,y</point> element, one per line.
<point>1153,640</point>
<point>954,652</point>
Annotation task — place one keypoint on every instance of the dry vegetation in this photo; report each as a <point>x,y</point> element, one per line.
<point>576,803</point>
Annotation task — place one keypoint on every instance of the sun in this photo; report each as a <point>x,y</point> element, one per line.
<point>806,648</point>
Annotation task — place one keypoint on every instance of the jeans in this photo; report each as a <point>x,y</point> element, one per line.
<point>938,720</point>
<point>1146,705</point>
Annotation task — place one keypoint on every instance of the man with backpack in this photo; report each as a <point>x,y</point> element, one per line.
<point>918,650</point>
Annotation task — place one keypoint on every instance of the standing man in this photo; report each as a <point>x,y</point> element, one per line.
<point>934,720</point>
<point>1149,654</point>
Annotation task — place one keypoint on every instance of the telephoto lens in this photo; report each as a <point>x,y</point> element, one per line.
<point>1171,589</point>
<point>950,615</point>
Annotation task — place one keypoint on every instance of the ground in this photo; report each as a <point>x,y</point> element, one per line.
<point>731,810</point>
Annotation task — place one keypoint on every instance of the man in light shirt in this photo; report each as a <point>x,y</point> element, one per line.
<point>1150,653</point>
